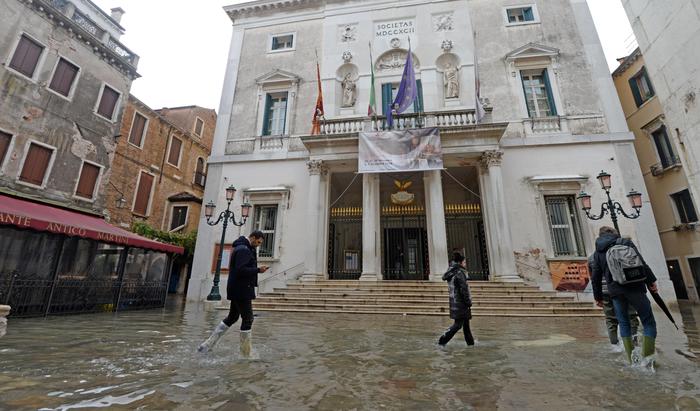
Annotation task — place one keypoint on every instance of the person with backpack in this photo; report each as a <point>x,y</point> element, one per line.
<point>611,322</point>
<point>460,300</point>
<point>618,262</point>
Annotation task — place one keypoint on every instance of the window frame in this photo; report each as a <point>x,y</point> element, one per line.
<point>194,129</point>
<point>575,227</point>
<point>39,64</point>
<point>150,195</point>
<point>143,134</point>
<point>98,180</point>
<point>117,105</point>
<point>204,171</point>
<point>671,161</point>
<point>10,147</point>
<point>535,15</point>
<point>265,116</point>
<point>49,167</point>
<point>172,214</point>
<point>268,196</point>
<point>418,105</point>
<point>179,155</point>
<point>74,85</point>
<point>275,232</point>
<point>639,99</point>
<point>271,37</point>
<point>677,211</point>
<point>549,92</point>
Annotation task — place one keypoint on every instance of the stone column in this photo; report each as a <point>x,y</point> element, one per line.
<point>435,219</point>
<point>4,312</point>
<point>371,228</point>
<point>501,257</point>
<point>314,247</point>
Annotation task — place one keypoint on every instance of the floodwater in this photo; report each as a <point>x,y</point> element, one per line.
<point>148,361</point>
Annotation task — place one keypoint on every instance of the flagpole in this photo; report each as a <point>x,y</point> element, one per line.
<point>373,97</point>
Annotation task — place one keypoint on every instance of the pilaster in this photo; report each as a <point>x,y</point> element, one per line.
<point>371,225</point>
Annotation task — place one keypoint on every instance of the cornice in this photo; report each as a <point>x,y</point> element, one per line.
<point>246,9</point>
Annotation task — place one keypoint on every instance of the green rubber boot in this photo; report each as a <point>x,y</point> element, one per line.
<point>629,346</point>
<point>648,346</point>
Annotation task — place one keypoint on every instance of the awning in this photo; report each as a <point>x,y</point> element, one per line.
<point>41,217</point>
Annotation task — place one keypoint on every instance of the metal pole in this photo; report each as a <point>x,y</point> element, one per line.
<point>214,294</point>
<point>613,213</point>
<point>121,267</point>
<point>54,273</point>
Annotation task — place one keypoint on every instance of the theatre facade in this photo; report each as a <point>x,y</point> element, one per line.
<point>505,193</point>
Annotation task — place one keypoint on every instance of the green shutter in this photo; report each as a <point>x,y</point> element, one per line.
<point>286,109</point>
<point>266,115</point>
<point>635,91</point>
<point>648,80</point>
<point>386,98</point>
<point>418,104</point>
<point>527,106</point>
<point>550,96</point>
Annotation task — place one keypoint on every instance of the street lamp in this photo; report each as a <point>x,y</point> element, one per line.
<point>612,207</point>
<point>226,216</point>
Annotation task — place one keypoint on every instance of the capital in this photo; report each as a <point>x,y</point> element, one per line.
<point>491,158</point>
<point>317,167</point>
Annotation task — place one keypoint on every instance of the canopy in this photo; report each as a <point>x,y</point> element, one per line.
<point>42,217</point>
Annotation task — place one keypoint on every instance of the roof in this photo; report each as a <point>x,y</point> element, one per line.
<point>41,217</point>
<point>626,62</point>
<point>184,196</point>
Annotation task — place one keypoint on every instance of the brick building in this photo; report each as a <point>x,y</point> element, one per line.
<point>159,168</point>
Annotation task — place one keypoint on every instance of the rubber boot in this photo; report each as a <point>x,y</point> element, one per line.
<point>629,346</point>
<point>210,342</point>
<point>247,344</point>
<point>648,350</point>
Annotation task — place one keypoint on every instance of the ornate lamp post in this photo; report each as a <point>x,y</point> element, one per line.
<point>612,207</point>
<point>226,216</point>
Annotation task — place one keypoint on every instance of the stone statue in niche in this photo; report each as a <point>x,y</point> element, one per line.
<point>451,81</point>
<point>349,91</point>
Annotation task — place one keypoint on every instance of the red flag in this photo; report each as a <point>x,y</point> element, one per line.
<point>318,111</point>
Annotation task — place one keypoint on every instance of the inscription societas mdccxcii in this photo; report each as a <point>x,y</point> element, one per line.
<point>395,28</point>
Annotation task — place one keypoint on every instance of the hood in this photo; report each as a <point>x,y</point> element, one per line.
<point>605,241</point>
<point>454,269</point>
<point>241,241</point>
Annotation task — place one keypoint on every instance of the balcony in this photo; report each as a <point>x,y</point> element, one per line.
<point>441,119</point>
<point>665,165</point>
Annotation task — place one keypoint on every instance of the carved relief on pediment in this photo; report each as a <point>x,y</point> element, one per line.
<point>394,60</point>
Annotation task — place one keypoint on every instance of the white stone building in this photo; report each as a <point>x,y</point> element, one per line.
<point>507,195</point>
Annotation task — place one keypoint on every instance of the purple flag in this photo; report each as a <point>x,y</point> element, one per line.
<point>408,90</point>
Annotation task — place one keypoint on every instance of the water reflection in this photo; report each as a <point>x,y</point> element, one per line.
<point>149,359</point>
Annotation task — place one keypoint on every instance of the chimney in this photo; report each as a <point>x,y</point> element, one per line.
<point>117,14</point>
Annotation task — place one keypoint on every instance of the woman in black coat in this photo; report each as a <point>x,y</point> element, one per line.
<point>460,300</point>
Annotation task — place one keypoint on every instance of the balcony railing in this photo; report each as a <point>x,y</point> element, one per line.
<point>670,163</point>
<point>443,119</point>
<point>544,125</point>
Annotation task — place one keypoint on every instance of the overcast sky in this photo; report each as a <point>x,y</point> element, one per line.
<point>183,46</point>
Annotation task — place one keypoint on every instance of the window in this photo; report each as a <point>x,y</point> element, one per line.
<point>520,15</point>
<point>538,93</point>
<point>685,207</point>
<point>178,218</point>
<point>36,164</point>
<point>26,57</point>
<point>266,221</point>
<point>564,226</point>
<point>200,176</point>
<point>664,148</point>
<point>5,140</point>
<point>108,102</point>
<point>64,77</point>
<point>275,118</point>
<point>175,151</point>
<point>87,181</point>
<point>198,127</point>
<point>389,91</point>
<point>138,129</point>
<point>282,42</point>
<point>642,90</point>
<point>142,199</point>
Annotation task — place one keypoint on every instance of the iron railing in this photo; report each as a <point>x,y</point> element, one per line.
<point>665,165</point>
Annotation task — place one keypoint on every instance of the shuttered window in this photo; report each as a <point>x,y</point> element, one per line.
<point>198,127</point>
<point>36,164</point>
<point>685,207</point>
<point>538,93</point>
<point>564,226</point>
<point>26,56</point>
<point>138,127</point>
<point>64,77</point>
<point>179,217</point>
<point>200,177</point>
<point>143,194</point>
<point>87,181</point>
<point>108,102</point>
<point>174,153</point>
<point>641,87</point>
<point>5,140</point>
<point>266,221</point>
<point>275,115</point>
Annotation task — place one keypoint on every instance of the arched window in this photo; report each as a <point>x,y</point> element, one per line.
<point>200,174</point>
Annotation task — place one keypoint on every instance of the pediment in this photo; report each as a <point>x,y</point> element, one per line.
<point>278,76</point>
<point>532,50</point>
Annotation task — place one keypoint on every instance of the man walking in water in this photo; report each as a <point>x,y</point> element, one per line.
<point>460,300</point>
<point>240,290</point>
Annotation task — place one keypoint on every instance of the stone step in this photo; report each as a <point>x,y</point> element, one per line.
<point>435,308</point>
<point>430,297</point>
<point>401,286</point>
<point>495,293</point>
<point>421,303</point>
<point>475,313</point>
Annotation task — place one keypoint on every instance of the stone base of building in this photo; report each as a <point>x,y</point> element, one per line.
<point>508,278</point>
<point>4,312</point>
<point>311,277</point>
<point>369,277</point>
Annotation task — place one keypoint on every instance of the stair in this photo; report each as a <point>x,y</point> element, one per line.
<point>420,298</point>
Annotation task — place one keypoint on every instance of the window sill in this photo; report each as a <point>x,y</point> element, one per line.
<point>657,170</point>
<point>686,226</point>
<point>31,185</point>
<point>281,51</point>
<point>567,258</point>
<point>523,23</point>
<point>110,120</point>
<point>84,199</point>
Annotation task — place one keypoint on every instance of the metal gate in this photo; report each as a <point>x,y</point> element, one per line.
<point>345,244</point>
<point>404,243</point>
<point>465,233</point>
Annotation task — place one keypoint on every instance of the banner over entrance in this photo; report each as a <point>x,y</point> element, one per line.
<point>401,150</point>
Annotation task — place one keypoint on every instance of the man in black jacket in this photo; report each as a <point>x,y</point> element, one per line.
<point>240,290</point>
<point>460,300</point>
<point>624,295</point>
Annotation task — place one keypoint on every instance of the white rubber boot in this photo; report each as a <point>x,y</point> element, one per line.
<point>247,351</point>
<point>207,345</point>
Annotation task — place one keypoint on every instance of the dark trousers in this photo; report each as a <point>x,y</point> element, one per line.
<point>242,309</point>
<point>640,302</point>
<point>462,323</point>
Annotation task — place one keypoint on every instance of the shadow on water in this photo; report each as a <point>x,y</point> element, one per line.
<point>148,360</point>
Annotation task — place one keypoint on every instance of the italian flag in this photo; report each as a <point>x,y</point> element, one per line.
<point>372,110</point>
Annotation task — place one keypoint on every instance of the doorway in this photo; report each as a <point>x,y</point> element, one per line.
<point>674,271</point>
